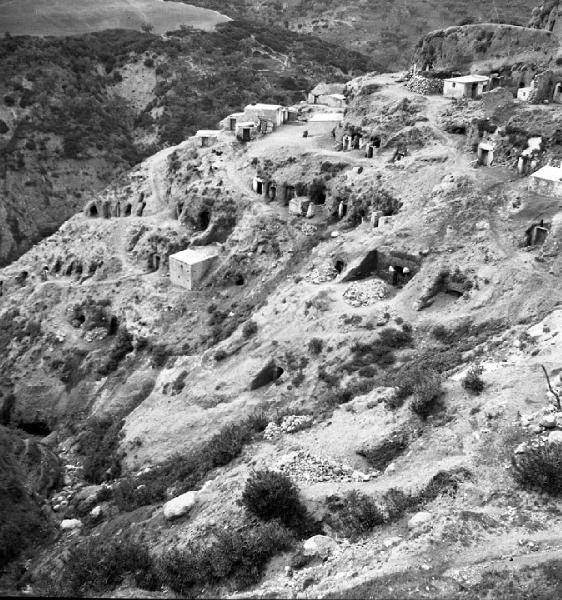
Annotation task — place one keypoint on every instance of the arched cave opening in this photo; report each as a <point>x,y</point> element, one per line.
<point>113,325</point>
<point>128,210</point>
<point>38,428</point>
<point>339,266</point>
<point>203,219</point>
<point>93,212</point>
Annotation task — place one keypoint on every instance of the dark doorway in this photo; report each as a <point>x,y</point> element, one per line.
<point>474,90</point>
<point>93,211</point>
<point>113,325</point>
<point>239,279</point>
<point>232,124</point>
<point>204,219</point>
<point>339,266</point>
<point>38,428</point>
<point>259,187</point>
<point>128,210</point>
<point>246,134</point>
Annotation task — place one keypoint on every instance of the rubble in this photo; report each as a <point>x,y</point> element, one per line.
<point>303,466</point>
<point>322,274</point>
<point>365,293</point>
<point>289,424</point>
<point>424,85</point>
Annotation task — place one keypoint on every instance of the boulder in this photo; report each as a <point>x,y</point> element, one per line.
<point>555,437</point>
<point>418,519</point>
<point>71,524</point>
<point>319,545</point>
<point>548,421</point>
<point>180,506</point>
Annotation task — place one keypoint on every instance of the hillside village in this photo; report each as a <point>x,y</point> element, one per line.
<point>359,291</point>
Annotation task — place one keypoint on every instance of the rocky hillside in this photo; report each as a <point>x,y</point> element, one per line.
<point>486,48</point>
<point>387,30</point>
<point>76,112</point>
<point>355,399</point>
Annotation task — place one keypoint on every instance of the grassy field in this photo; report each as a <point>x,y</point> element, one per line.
<point>59,17</point>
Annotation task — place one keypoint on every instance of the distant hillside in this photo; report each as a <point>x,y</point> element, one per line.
<point>57,17</point>
<point>76,111</point>
<point>387,30</point>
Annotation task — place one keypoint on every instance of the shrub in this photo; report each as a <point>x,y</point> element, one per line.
<point>249,329</point>
<point>99,565</point>
<point>398,502</point>
<point>440,333</point>
<point>394,338</point>
<point>473,382</point>
<point>315,346</point>
<point>441,483</point>
<point>21,522</point>
<point>270,495</point>
<point>122,345</point>
<point>160,354</point>
<point>354,514</point>
<point>99,445</point>
<point>237,555</point>
<point>540,467</point>
<point>427,392</point>
<point>187,472</point>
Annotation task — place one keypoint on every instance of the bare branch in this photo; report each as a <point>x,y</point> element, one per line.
<point>557,396</point>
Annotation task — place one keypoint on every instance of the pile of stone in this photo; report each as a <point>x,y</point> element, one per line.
<point>289,424</point>
<point>425,85</point>
<point>308,229</point>
<point>303,466</point>
<point>365,293</point>
<point>322,274</point>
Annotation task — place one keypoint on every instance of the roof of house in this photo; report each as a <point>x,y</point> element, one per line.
<point>322,117</point>
<point>469,79</point>
<point>208,133</point>
<point>260,106</point>
<point>549,173</point>
<point>337,96</point>
<point>195,255</point>
<point>245,124</point>
<point>324,89</point>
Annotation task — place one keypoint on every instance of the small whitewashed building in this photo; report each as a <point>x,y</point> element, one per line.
<point>467,86</point>
<point>326,93</point>
<point>207,137</point>
<point>321,123</point>
<point>275,113</point>
<point>189,267</point>
<point>547,181</point>
<point>246,130</point>
<point>485,154</point>
<point>524,93</point>
<point>230,122</point>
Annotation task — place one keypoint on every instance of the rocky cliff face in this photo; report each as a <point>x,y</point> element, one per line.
<point>486,48</point>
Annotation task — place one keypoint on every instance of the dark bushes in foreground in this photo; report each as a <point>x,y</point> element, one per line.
<point>540,467</point>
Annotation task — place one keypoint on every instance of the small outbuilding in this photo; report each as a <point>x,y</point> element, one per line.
<point>207,137</point>
<point>246,130</point>
<point>325,93</point>
<point>485,154</point>
<point>467,86</point>
<point>524,93</point>
<point>189,267</point>
<point>320,123</point>
<point>547,181</point>
<point>275,113</point>
<point>231,121</point>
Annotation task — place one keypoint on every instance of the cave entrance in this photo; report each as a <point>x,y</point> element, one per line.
<point>339,266</point>
<point>204,219</point>
<point>155,262</point>
<point>36,428</point>
<point>557,96</point>
<point>140,209</point>
<point>78,270</point>
<point>367,267</point>
<point>259,186</point>
<point>239,279</point>
<point>455,292</point>
<point>113,325</point>
<point>128,210</point>
<point>93,212</point>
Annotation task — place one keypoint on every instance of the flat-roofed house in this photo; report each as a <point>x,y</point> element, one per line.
<point>207,137</point>
<point>189,267</point>
<point>467,86</point>
<point>275,113</point>
<point>547,181</point>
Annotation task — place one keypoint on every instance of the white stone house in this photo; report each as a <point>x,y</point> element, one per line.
<point>189,267</point>
<point>547,181</point>
<point>207,137</point>
<point>467,86</point>
<point>321,123</point>
<point>275,113</point>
